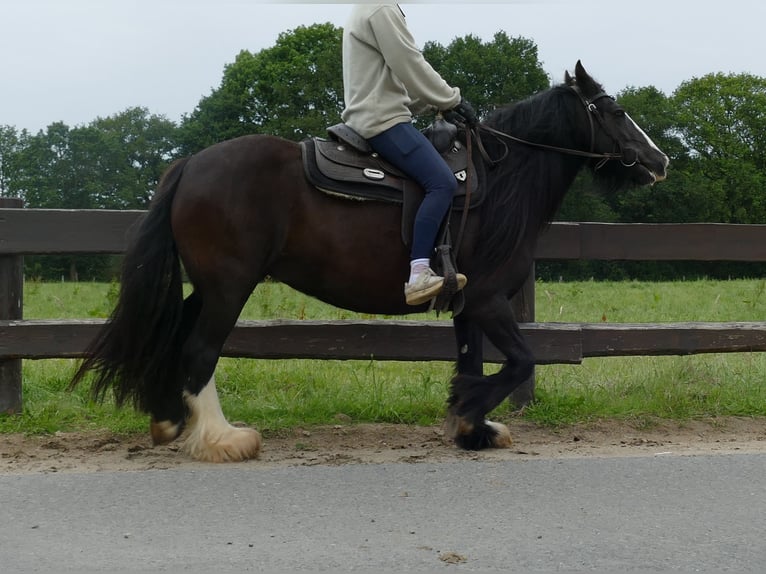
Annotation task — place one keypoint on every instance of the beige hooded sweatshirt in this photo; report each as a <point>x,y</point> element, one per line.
<point>386,79</point>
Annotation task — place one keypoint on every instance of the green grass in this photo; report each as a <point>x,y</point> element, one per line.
<point>277,394</point>
<point>645,388</point>
<point>642,302</point>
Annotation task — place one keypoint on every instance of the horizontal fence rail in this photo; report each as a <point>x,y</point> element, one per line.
<point>409,340</point>
<point>46,231</point>
<point>52,231</point>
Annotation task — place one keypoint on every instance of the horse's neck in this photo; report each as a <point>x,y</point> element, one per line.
<point>537,182</point>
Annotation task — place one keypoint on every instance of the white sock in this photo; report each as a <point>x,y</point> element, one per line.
<point>417,266</point>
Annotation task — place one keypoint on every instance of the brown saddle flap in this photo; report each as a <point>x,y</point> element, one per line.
<point>343,163</point>
<point>337,168</point>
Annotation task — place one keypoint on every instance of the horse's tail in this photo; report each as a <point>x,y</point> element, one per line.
<point>136,352</point>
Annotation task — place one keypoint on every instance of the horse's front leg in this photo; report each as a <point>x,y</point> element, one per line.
<point>474,395</point>
<point>470,350</point>
<point>470,359</point>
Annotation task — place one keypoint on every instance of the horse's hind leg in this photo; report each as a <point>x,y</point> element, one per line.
<point>169,410</point>
<point>210,436</point>
<point>473,395</point>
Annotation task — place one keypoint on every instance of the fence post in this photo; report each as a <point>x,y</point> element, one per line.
<point>523,304</point>
<point>11,307</point>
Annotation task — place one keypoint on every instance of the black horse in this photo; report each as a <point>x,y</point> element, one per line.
<point>242,209</point>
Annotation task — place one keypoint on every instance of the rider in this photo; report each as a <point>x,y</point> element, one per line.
<point>386,80</point>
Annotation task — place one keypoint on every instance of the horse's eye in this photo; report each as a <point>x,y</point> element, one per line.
<point>619,113</point>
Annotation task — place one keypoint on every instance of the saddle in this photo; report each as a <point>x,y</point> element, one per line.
<point>345,166</point>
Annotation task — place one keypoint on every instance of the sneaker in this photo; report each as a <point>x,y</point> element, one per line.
<point>426,286</point>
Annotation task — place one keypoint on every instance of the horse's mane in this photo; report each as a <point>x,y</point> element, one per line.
<point>526,189</point>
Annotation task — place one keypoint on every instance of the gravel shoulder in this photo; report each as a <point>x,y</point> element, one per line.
<point>84,452</point>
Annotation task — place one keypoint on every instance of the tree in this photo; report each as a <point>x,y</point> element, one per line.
<point>45,176</point>
<point>489,74</point>
<point>129,152</point>
<point>722,115</point>
<point>11,144</point>
<point>293,90</point>
<point>720,120</point>
<point>111,163</point>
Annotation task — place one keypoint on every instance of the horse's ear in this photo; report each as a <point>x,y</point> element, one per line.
<point>580,73</point>
<point>581,77</point>
<point>585,80</point>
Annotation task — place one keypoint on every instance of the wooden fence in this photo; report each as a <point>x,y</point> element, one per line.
<point>33,231</point>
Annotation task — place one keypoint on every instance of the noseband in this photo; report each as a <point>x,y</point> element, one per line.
<point>593,112</point>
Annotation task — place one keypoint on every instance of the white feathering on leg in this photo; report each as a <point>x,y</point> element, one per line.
<point>211,438</point>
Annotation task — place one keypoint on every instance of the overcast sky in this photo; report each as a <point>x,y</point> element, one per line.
<point>76,60</point>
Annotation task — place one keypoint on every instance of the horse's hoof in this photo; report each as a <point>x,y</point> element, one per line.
<point>503,437</point>
<point>164,432</point>
<point>469,436</point>
<point>229,444</point>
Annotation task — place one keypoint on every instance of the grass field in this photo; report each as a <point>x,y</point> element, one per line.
<point>273,395</point>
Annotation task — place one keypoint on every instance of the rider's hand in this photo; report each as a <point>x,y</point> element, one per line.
<point>465,114</point>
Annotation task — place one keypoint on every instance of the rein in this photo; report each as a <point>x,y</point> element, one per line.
<point>592,111</point>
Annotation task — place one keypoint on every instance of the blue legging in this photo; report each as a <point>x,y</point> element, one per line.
<point>411,152</point>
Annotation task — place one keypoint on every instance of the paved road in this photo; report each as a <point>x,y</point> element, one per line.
<point>651,514</point>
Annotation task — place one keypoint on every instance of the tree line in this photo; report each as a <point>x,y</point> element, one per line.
<point>712,127</point>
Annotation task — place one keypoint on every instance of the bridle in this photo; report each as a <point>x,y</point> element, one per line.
<point>594,116</point>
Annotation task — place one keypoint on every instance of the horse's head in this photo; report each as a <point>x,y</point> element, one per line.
<point>632,155</point>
